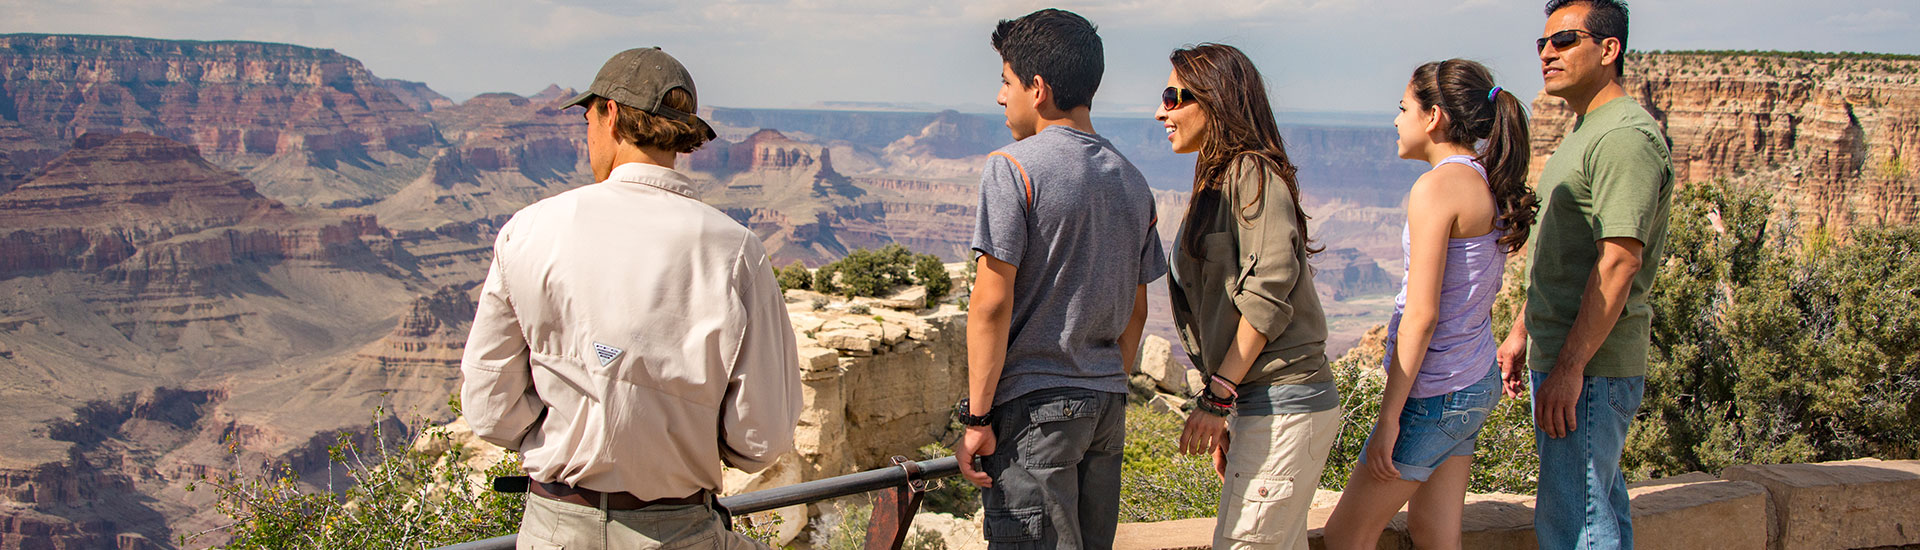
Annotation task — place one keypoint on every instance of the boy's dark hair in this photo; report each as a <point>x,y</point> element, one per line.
<point>646,130</point>
<point>1059,46</point>
<point>1607,18</point>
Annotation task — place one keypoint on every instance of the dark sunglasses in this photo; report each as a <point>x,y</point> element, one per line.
<point>1172,98</point>
<point>1563,39</point>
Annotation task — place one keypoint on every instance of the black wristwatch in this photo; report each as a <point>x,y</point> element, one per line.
<point>961,410</point>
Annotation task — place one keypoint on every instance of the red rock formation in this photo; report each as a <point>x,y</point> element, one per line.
<point>21,153</point>
<point>552,95</point>
<point>509,152</point>
<point>1343,273</point>
<point>240,103</point>
<point>432,333</point>
<point>416,95</point>
<point>151,211</point>
<point>1835,135</point>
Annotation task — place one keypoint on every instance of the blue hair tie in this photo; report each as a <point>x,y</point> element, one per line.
<point>1494,94</point>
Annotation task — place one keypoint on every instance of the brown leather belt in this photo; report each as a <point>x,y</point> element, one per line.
<point>614,501</point>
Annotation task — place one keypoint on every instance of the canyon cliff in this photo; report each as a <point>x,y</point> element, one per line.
<point>310,125</point>
<point>1833,135</point>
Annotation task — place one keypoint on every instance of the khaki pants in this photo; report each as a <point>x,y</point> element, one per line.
<point>1273,467</point>
<point>551,524</point>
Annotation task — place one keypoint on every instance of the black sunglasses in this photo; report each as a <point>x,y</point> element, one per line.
<point>1172,98</point>
<point>1563,39</point>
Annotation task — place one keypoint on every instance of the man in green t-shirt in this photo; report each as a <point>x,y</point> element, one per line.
<point>1584,335</point>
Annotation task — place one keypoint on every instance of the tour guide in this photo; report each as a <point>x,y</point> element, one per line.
<point>630,338</point>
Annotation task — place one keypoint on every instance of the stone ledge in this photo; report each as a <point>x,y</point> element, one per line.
<point>1861,503</point>
<point>1698,510</point>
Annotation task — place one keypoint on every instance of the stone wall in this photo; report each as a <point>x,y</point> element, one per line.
<point>1865,503</point>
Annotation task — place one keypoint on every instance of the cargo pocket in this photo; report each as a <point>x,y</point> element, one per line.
<point>1060,430</point>
<point>1257,498</point>
<point>1016,525</point>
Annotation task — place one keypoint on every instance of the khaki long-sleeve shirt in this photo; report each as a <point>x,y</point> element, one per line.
<point>630,338</point>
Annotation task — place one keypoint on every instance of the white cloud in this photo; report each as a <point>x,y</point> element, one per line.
<point>1877,20</point>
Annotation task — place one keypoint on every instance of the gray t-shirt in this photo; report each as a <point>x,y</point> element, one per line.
<point>1079,226</point>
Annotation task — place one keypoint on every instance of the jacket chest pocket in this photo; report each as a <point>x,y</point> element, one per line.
<point>1220,263</point>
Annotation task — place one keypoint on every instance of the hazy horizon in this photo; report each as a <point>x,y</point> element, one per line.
<point>1319,56</point>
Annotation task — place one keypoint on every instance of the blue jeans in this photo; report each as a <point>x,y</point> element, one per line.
<point>1582,501</point>
<point>1435,429</point>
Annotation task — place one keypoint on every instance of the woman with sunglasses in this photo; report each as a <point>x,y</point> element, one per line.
<point>1244,303</point>
<point>1463,217</point>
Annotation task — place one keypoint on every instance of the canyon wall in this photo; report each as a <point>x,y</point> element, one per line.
<point>1833,135</point>
<point>310,125</point>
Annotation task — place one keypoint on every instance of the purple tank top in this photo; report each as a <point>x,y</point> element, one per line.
<point>1463,346</point>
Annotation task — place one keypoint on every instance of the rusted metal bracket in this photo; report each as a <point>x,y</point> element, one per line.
<point>894,508</point>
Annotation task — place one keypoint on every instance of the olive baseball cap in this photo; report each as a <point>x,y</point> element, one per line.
<point>640,78</point>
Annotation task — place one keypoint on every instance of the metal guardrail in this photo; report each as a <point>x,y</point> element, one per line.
<point>901,486</point>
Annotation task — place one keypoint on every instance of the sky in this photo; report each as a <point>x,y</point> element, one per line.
<point>1351,56</point>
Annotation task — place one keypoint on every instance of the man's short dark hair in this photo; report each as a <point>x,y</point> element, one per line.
<point>1059,46</point>
<point>1606,18</point>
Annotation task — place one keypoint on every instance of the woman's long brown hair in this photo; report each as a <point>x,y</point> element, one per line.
<point>1464,90</point>
<point>1240,124</point>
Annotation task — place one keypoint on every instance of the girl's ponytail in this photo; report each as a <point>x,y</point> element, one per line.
<point>1479,111</point>
<point>1505,156</point>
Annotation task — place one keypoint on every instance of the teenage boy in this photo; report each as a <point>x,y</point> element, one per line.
<point>1584,335</point>
<point>1066,247</point>
<point>630,338</point>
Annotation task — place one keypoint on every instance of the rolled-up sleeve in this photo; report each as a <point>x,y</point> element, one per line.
<point>1269,247</point>
<point>763,390</point>
<point>496,391</point>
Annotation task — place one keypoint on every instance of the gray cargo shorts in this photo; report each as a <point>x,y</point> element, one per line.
<point>1055,469</point>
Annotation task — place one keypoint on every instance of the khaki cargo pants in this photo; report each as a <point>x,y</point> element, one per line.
<point>550,524</point>
<point>1273,466</point>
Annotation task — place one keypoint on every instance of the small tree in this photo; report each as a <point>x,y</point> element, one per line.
<point>794,276</point>
<point>823,279</point>
<point>933,274</point>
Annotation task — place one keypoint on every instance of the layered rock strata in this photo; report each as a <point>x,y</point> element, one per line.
<point>287,115</point>
<point>150,211</point>
<point>1835,135</point>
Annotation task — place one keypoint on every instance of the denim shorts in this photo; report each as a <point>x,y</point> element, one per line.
<point>1434,429</point>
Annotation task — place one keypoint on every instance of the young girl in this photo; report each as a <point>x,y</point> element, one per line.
<point>1244,302</point>
<point>1463,217</point>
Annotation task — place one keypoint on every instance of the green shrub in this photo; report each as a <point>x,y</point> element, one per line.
<point>875,272</point>
<point>1503,462</point>
<point>1157,483</point>
<point>794,276</point>
<point>399,498</point>
<point>825,279</point>
<point>931,273</point>
<point>845,528</point>
<point>1772,345</point>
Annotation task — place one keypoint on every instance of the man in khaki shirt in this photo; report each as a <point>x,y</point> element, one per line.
<point>629,338</point>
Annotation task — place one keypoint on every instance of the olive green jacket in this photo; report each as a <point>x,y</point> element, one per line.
<point>1251,265</point>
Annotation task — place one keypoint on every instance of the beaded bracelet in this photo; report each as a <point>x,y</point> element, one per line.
<point>1232,390</point>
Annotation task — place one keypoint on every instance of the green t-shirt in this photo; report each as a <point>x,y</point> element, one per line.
<point>1611,177</point>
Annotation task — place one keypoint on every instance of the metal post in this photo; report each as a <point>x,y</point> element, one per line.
<point>894,509</point>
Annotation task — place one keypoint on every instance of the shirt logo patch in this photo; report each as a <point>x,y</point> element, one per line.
<point>607,353</point>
